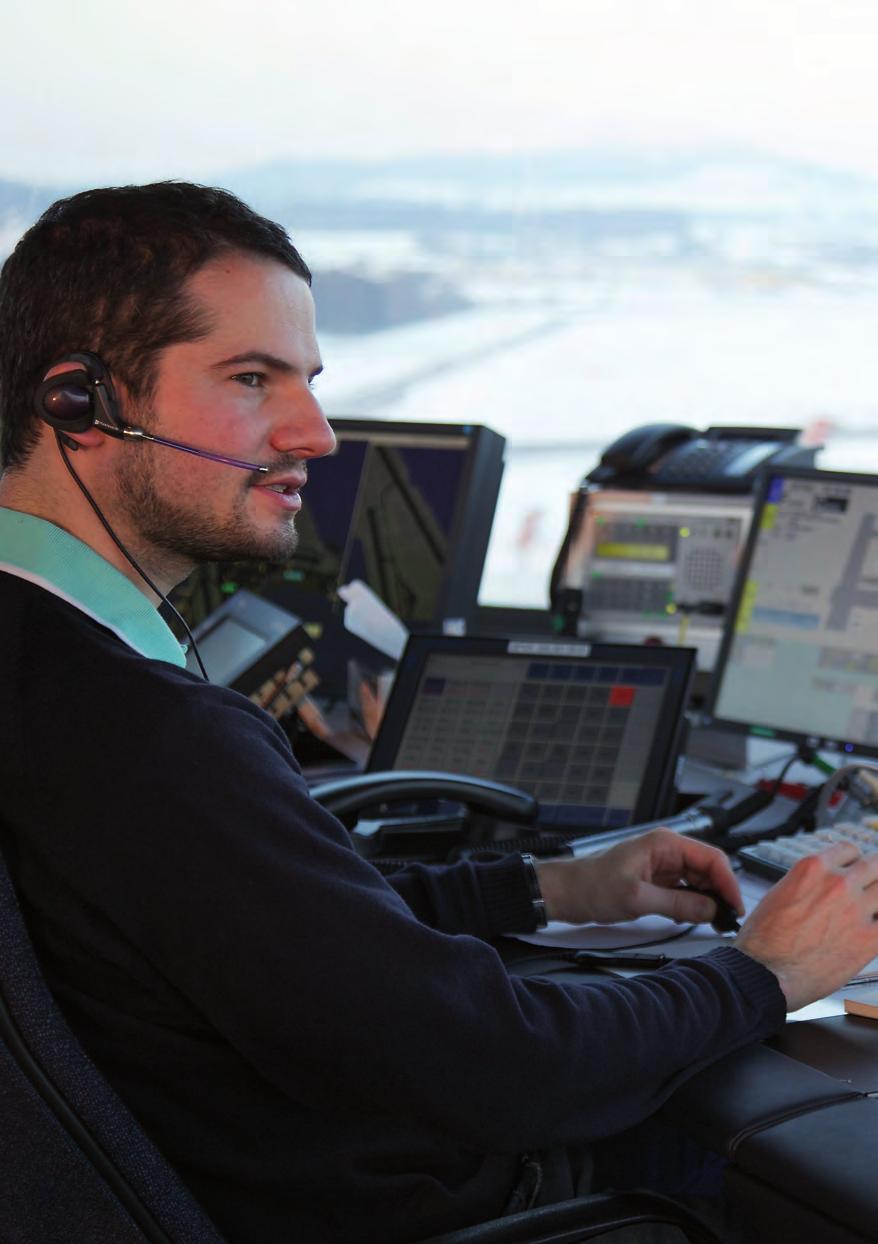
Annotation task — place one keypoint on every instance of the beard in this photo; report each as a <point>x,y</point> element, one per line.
<point>172,526</point>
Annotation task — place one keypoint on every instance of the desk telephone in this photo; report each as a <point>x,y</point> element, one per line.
<point>660,459</point>
<point>485,815</point>
<point>675,456</point>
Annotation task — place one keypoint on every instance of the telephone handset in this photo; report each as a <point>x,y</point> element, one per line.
<point>349,795</point>
<point>430,837</point>
<point>639,449</point>
<point>676,456</point>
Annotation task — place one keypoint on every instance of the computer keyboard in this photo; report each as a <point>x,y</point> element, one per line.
<point>775,857</point>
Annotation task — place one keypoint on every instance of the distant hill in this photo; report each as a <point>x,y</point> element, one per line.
<point>716,180</point>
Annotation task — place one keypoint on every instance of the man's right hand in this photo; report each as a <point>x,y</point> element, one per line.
<point>819,925</point>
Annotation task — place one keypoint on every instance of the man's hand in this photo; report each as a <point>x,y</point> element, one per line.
<point>639,877</point>
<point>819,925</point>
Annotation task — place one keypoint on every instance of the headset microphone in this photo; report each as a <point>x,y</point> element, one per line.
<point>74,401</point>
<point>138,434</point>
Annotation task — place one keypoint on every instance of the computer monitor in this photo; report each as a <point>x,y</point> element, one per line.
<point>800,657</point>
<point>592,730</point>
<point>406,507</point>
<point>657,566</point>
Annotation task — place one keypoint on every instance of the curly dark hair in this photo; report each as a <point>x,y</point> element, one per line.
<point>106,271</point>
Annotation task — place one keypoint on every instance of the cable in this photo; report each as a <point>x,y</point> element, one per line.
<point>823,765</point>
<point>128,557</point>
<point>778,782</point>
<point>803,813</point>
<point>806,808</point>
<point>673,936</point>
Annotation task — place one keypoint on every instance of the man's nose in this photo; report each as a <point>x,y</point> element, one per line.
<point>304,432</point>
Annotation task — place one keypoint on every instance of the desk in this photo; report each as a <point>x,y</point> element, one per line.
<point>796,1118</point>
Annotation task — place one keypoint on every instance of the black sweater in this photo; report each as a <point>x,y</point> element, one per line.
<point>322,1054</point>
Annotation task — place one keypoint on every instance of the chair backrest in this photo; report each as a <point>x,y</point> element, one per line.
<point>75,1166</point>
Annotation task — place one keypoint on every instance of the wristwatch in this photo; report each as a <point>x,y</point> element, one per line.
<point>536,894</point>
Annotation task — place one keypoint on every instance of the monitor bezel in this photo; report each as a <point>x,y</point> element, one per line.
<point>814,742</point>
<point>484,453</point>
<point>657,786</point>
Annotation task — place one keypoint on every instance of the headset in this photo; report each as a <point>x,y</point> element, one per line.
<point>74,401</point>
<point>83,398</point>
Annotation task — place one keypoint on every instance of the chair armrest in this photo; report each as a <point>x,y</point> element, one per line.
<point>586,1218</point>
<point>752,1089</point>
<point>825,1160</point>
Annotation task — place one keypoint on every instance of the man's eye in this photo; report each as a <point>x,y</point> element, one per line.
<point>250,379</point>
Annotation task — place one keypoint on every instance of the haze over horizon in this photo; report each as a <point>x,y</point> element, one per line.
<point>106,91</point>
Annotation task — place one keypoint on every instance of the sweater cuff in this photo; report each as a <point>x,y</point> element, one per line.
<point>506,897</point>
<point>757,982</point>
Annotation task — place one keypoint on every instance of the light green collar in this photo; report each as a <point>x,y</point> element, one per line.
<point>42,553</point>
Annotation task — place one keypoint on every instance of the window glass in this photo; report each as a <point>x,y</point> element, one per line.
<point>561,222</point>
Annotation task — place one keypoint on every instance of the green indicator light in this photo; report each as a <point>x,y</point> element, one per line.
<point>228,587</point>
<point>762,731</point>
<point>294,576</point>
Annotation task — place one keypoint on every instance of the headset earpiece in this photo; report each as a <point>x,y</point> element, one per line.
<point>66,402</point>
<point>73,400</point>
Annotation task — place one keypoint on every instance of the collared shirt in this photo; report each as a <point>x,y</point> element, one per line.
<point>44,554</point>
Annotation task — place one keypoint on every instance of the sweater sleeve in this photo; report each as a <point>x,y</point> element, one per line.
<point>320,973</point>
<point>484,899</point>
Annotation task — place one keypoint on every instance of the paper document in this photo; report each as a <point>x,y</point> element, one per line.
<point>367,617</point>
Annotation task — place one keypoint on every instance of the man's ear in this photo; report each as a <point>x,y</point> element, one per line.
<point>92,438</point>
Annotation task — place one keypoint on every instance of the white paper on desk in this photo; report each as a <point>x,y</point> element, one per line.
<point>368,618</point>
<point>625,936</point>
<point>648,929</point>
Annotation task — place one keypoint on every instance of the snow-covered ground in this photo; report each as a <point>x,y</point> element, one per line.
<point>561,379</point>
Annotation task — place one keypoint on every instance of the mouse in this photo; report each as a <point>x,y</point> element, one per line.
<point>726,918</point>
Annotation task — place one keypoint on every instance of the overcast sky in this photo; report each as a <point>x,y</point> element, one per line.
<point>104,89</point>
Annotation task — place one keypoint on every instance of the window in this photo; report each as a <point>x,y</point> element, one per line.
<point>560,223</point>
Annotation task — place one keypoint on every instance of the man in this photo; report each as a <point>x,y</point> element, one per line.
<point>321,1053</point>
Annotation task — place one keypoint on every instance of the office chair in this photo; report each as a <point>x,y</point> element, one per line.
<point>76,1167</point>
